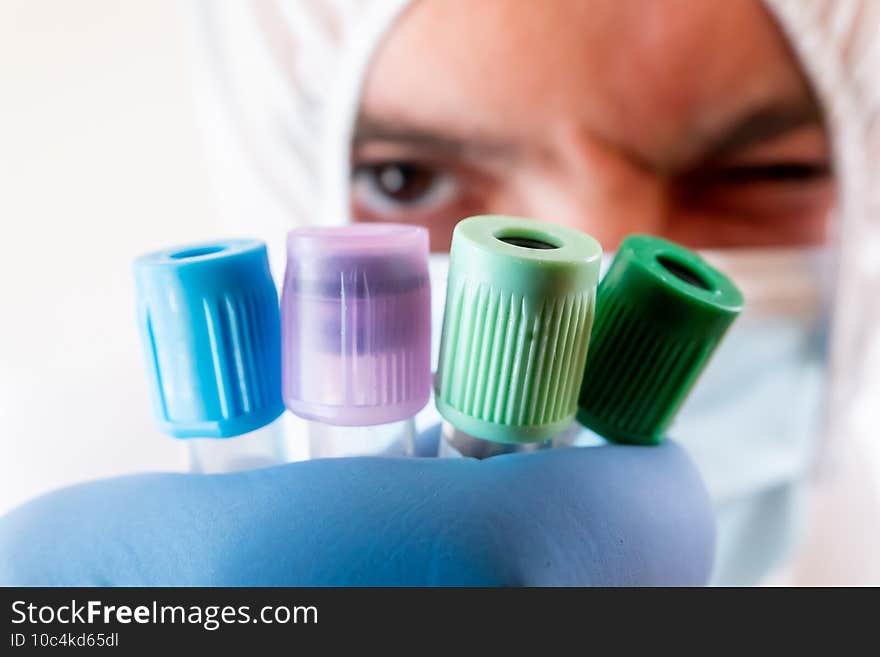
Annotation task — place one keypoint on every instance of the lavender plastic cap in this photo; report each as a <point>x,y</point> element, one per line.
<point>356,323</point>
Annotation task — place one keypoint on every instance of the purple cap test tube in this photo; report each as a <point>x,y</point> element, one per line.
<point>356,334</point>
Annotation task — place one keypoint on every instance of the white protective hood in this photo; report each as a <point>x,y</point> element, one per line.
<point>278,84</point>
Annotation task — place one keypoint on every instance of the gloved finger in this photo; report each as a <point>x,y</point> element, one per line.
<point>580,516</point>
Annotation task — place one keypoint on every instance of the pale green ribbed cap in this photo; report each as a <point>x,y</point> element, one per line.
<point>519,308</point>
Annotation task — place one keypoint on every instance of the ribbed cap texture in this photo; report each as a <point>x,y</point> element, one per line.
<point>356,323</point>
<point>210,328</point>
<point>516,328</point>
<point>661,313</point>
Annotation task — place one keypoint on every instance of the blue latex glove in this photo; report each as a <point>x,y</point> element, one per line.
<point>581,516</point>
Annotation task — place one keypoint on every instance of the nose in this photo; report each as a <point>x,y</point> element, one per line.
<point>598,189</point>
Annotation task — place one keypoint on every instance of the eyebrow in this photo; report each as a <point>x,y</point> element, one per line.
<point>760,125</point>
<point>369,129</point>
<point>754,127</point>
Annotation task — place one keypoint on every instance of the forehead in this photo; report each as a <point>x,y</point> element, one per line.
<point>628,70</point>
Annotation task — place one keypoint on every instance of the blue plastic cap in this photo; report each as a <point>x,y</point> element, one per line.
<point>211,333</point>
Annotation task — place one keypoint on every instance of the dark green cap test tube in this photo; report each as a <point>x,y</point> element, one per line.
<point>661,311</point>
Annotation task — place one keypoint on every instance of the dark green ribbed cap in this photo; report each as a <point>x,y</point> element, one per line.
<point>661,311</point>
<point>519,307</point>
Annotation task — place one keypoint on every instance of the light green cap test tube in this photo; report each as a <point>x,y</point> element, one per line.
<point>519,309</point>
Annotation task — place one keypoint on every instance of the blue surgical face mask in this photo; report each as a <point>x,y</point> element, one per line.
<point>759,402</point>
<point>750,424</point>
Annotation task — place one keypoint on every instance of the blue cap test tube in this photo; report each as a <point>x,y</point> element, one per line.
<point>211,334</point>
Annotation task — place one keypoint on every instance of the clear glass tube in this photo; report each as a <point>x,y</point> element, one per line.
<point>261,448</point>
<point>392,439</point>
<point>573,435</point>
<point>455,443</point>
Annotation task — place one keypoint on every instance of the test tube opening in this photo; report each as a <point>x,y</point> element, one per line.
<point>196,252</point>
<point>684,273</point>
<point>528,239</point>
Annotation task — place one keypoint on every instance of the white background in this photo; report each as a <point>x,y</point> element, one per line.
<point>99,161</point>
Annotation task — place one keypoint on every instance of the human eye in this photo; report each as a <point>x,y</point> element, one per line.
<point>768,192</point>
<point>392,189</point>
<point>771,173</point>
<point>778,193</point>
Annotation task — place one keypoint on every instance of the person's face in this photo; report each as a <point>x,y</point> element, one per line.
<point>690,120</point>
